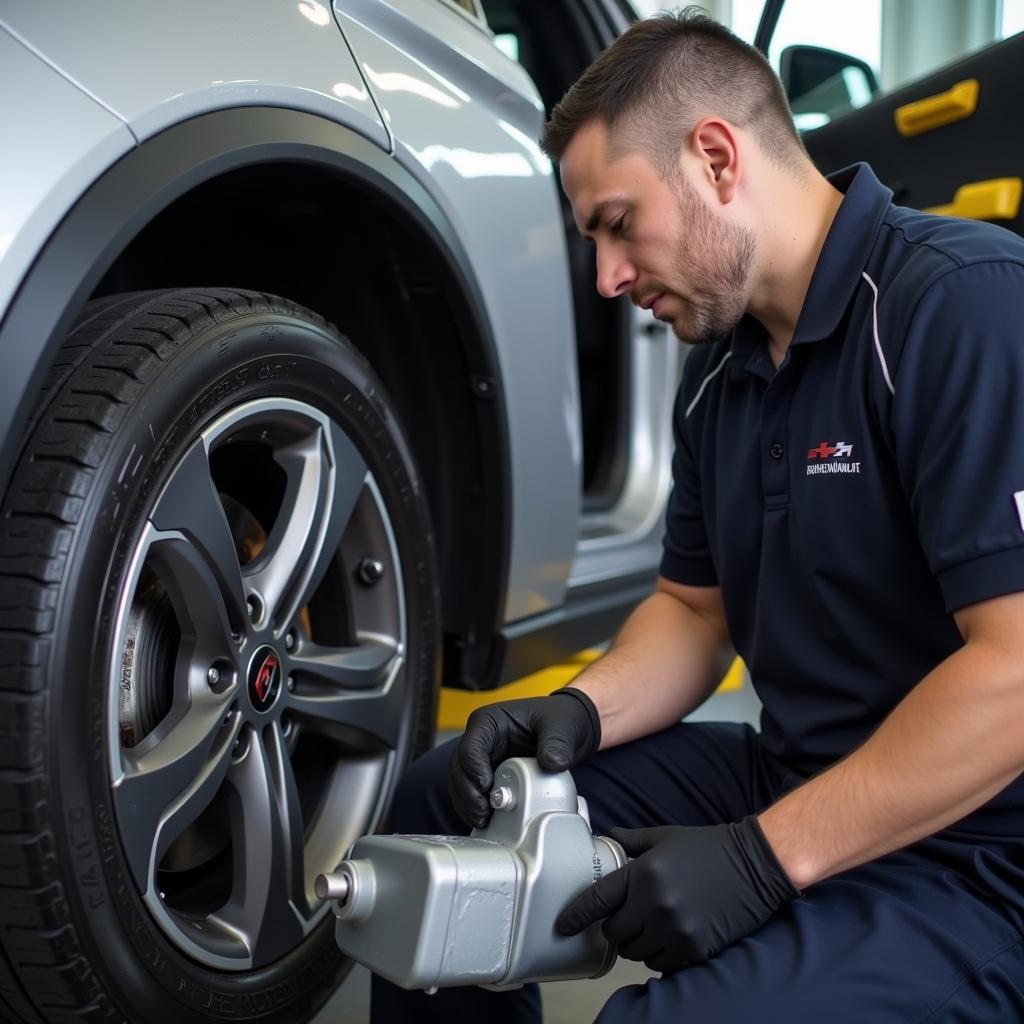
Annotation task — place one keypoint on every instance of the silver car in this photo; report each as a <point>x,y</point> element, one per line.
<point>308,404</point>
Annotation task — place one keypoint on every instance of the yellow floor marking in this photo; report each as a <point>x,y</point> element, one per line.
<point>457,705</point>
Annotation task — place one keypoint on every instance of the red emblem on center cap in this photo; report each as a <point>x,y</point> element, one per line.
<point>264,677</point>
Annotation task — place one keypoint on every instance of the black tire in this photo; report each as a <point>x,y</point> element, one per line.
<point>139,380</point>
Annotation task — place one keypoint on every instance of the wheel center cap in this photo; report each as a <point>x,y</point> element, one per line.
<point>264,678</point>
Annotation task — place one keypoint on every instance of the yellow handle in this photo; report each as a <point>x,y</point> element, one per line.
<point>935,111</point>
<point>998,199</point>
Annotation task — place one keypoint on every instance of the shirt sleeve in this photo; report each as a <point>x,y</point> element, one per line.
<point>958,429</point>
<point>686,554</point>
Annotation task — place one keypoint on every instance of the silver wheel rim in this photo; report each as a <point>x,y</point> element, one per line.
<point>252,737</point>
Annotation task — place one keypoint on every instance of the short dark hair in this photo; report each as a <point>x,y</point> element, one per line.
<point>665,73</point>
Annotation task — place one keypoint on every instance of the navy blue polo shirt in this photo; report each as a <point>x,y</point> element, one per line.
<point>848,502</point>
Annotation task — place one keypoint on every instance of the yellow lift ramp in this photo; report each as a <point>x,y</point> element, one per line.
<point>457,705</point>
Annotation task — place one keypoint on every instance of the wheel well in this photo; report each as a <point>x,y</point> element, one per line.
<point>337,247</point>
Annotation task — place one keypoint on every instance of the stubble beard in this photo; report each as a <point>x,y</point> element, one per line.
<point>716,262</point>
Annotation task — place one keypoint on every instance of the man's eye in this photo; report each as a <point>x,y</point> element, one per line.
<point>619,226</point>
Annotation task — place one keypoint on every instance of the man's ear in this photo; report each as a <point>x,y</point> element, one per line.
<point>713,141</point>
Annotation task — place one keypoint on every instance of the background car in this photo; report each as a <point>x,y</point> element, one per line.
<point>308,404</point>
<point>921,91</point>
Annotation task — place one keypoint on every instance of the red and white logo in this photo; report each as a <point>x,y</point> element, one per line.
<point>264,678</point>
<point>839,450</point>
<point>829,457</point>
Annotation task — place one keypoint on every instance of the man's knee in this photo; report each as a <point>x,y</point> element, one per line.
<point>421,805</point>
<point>702,995</point>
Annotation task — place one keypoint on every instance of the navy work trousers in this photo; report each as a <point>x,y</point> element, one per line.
<point>931,933</point>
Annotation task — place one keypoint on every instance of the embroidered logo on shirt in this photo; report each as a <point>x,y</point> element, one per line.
<point>823,459</point>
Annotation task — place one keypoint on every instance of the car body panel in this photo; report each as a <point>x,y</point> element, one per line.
<point>62,138</point>
<point>468,136</point>
<point>210,56</point>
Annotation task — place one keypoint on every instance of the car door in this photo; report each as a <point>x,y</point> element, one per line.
<point>628,364</point>
<point>942,131</point>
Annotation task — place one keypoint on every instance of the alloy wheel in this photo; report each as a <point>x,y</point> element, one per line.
<point>256,684</point>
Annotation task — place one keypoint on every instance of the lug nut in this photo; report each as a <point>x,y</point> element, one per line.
<point>289,640</point>
<point>213,675</point>
<point>253,604</point>
<point>370,570</point>
<point>290,684</point>
<point>502,799</point>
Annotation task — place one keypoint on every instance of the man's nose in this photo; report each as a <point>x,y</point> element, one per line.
<point>615,274</point>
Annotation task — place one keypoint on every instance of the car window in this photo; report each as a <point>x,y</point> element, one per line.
<point>508,43</point>
<point>897,42</point>
<point>469,6</point>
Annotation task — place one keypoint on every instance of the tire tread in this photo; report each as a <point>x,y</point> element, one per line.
<point>116,345</point>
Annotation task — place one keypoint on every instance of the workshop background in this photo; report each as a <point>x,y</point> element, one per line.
<point>309,401</point>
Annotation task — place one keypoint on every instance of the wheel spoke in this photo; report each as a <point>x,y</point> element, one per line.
<point>268,902</point>
<point>192,536</point>
<point>357,720</point>
<point>170,778</point>
<point>196,595</point>
<point>325,476</point>
<point>366,666</point>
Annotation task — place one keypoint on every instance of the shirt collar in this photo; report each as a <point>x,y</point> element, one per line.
<point>840,264</point>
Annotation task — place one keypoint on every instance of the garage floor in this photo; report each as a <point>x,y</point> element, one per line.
<point>565,1002</point>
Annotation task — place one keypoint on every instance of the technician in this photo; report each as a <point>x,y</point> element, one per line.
<point>848,513</point>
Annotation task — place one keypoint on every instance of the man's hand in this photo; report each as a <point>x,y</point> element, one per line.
<point>689,893</point>
<point>560,730</point>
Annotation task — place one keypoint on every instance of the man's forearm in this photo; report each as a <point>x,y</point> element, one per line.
<point>949,746</point>
<point>664,662</point>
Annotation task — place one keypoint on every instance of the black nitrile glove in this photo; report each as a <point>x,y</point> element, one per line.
<point>690,893</point>
<point>560,730</point>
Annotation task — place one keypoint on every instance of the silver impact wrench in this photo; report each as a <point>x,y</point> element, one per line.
<point>430,912</point>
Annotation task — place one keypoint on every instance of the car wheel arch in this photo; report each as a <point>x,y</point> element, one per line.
<point>469,487</point>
